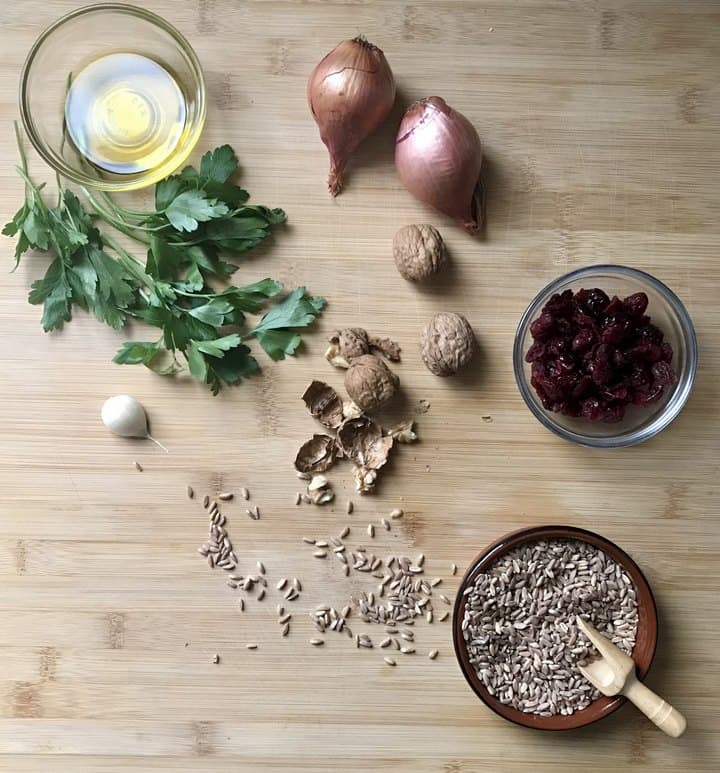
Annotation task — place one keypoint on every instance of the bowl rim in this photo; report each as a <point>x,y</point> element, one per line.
<point>680,394</point>
<point>599,708</point>
<point>143,179</point>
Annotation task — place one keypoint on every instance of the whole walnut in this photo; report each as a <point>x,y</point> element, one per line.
<point>419,252</point>
<point>447,343</point>
<point>369,382</point>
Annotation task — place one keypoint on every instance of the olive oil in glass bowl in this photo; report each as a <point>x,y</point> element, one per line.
<point>112,97</point>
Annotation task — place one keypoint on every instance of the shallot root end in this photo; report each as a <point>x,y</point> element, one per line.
<point>335,179</point>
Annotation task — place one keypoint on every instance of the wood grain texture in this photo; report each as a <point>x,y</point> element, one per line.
<point>600,125</point>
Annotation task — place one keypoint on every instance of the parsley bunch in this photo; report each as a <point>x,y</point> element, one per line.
<point>199,215</point>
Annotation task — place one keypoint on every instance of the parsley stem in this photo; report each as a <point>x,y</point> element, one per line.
<point>108,217</point>
<point>117,221</point>
<point>131,264</point>
<point>110,201</point>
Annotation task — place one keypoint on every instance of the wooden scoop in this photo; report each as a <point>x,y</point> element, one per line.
<point>613,673</point>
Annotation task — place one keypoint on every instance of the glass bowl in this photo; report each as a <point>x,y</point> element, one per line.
<point>640,422</point>
<point>81,37</point>
<point>645,639</point>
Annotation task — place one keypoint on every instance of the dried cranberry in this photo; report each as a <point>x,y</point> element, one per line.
<point>583,340</point>
<point>535,352</point>
<point>601,372</point>
<point>558,346</point>
<point>618,392</point>
<point>542,327</point>
<point>639,376</point>
<point>565,363</point>
<point>584,320</point>
<point>596,302</point>
<point>583,387</point>
<point>591,409</point>
<point>636,304</point>
<point>613,334</point>
<point>645,351</point>
<point>559,303</point>
<point>614,306</point>
<point>648,395</point>
<point>571,409</point>
<point>618,358</point>
<point>654,353</point>
<point>651,333</point>
<point>667,351</point>
<point>613,413</point>
<point>663,373</point>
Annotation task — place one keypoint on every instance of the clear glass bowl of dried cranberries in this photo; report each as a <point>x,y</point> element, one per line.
<point>605,356</point>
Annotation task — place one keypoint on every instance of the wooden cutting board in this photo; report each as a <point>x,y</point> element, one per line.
<point>599,121</point>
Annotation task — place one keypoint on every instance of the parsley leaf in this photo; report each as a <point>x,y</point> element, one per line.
<point>217,165</point>
<point>166,190</point>
<point>275,332</point>
<point>190,208</point>
<point>135,352</point>
<point>54,292</point>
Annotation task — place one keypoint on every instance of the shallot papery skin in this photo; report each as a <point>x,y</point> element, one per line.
<point>438,156</point>
<point>350,93</point>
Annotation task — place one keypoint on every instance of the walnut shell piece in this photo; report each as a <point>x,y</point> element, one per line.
<point>447,343</point>
<point>317,454</point>
<point>324,404</point>
<point>362,441</point>
<point>369,382</point>
<point>419,252</point>
<point>403,432</point>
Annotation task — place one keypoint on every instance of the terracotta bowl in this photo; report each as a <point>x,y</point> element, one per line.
<point>642,653</point>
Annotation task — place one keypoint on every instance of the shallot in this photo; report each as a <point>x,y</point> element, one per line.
<point>438,156</point>
<point>124,416</point>
<point>350,93</point>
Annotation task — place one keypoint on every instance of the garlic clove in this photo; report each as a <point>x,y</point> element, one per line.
<point>124,416</point>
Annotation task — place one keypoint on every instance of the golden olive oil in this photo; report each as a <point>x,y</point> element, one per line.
<point>125,113</point>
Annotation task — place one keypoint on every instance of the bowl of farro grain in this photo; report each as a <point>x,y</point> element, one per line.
<point>514,627</point>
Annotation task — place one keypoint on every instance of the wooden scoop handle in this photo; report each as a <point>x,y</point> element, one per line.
<point>668,719</point>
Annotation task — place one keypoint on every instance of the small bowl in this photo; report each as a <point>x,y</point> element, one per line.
<point>640,422</point>
<point>646,638</point>
<point>74,41</point>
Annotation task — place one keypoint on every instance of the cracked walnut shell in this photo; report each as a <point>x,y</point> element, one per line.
<point>369,382</point>
<point>362,441</point>
<point>324,404</point>
<point>447,343</point>
<point>317,454</point>
<point>419,252</point>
